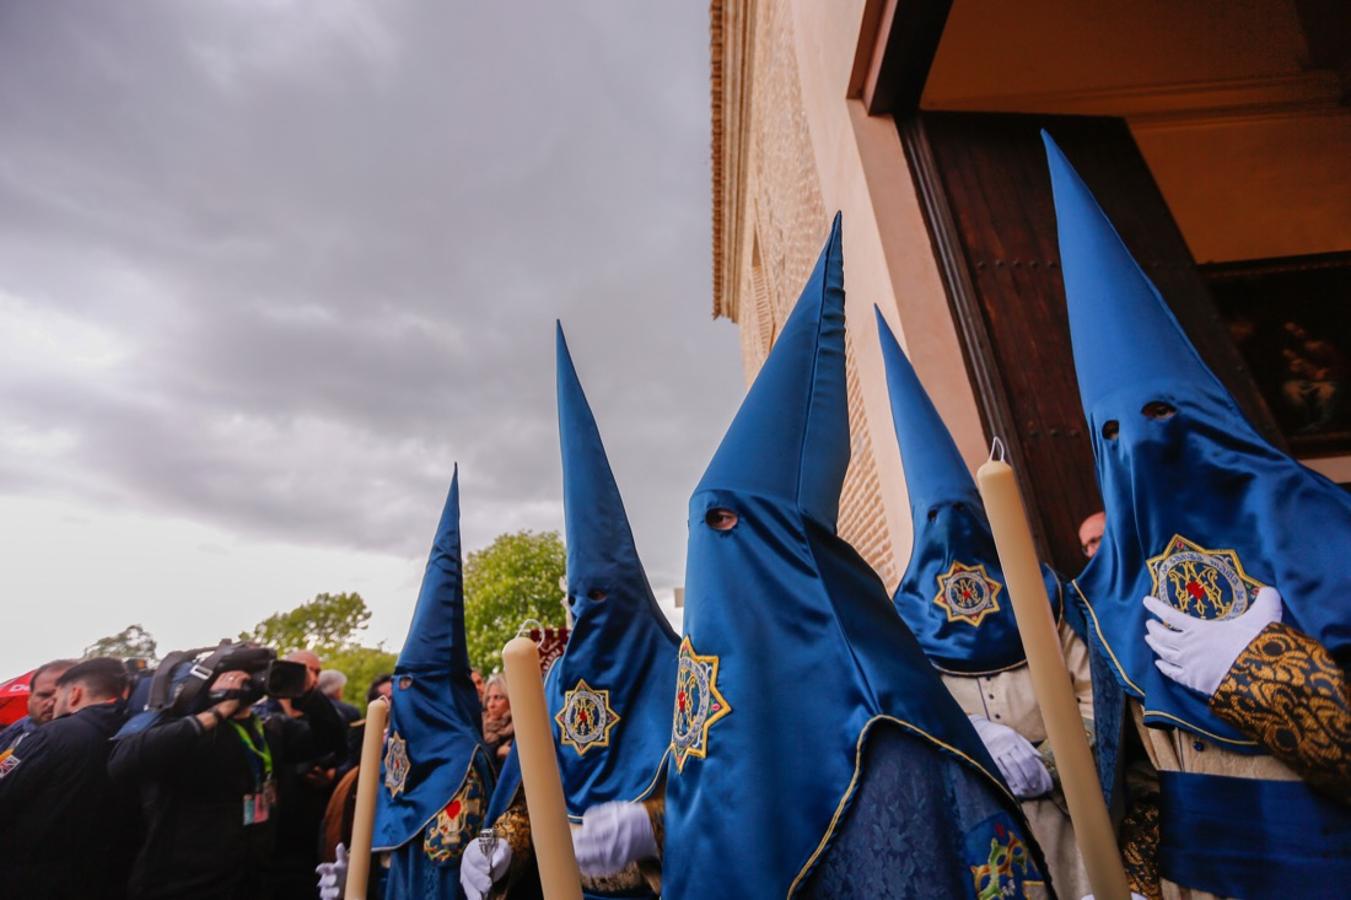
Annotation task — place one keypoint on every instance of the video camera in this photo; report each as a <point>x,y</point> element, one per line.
<point>181,685</point>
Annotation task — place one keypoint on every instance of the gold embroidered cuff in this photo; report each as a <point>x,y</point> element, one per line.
<point>1287,691</point>
<point>626,880</point>
<point>513,826</point>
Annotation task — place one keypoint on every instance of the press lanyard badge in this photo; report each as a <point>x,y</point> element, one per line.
<point>258,805</point>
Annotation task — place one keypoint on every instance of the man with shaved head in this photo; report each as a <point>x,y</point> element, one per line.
<point>309,660</point>
<point>1090,533</point>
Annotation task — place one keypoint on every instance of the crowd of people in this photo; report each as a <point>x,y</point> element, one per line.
<point>242,798</point>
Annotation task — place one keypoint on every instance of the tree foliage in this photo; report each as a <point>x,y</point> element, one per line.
<point>361,665</point>
<point>514,578</point>
<point>132,642</point>
<point>327,623</point>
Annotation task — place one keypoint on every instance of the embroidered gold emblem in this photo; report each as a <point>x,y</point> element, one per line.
<point>586,719</point>
<point>1207,584</point>
<point>459,821</point>
<point>1002,873</point>
<point>698,704</point>
<point>967,593</point>
<point>396,764</point>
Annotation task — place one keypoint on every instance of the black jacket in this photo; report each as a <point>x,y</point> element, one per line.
<point>356,730</point>
<point>192,783</point>
<point>63,823</point>
<point>300,819</point>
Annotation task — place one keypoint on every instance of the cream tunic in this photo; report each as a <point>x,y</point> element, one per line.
<point>1006,698</point>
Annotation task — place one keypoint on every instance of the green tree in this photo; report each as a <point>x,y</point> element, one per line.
<point>131,642</point>
<point>327,623</point>
<point>514,578</point>
<point>361,665</point>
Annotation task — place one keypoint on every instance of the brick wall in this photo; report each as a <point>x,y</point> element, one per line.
<point>785,223</point>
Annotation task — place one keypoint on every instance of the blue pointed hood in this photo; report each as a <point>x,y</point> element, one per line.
<point>1201,510</point>
<point>790,439</point>
<point>934,471</point>
<point>1116,305</point>
<point>952,594</point>
<point>610,693</point>
<point>600,548</point>
<point>791,652</point>
<point>435,729</point>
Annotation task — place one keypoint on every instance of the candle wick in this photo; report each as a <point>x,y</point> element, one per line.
<point>997,449</point>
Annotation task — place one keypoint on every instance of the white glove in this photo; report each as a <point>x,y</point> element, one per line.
<point>612,836</point>
<point>478,872</point>
<point>1018,761</point>
<point>333,876</point>
<point>1197,653</point>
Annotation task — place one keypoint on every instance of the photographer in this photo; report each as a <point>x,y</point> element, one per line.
<point>208,788</point>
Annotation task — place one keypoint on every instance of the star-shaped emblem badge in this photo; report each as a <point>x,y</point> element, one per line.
<point>586,719</point>
<point>967,593</point>
<point>698,704</point>
<point>396,764</point>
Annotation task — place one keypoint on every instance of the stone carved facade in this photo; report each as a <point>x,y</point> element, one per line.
<point>770,222</point>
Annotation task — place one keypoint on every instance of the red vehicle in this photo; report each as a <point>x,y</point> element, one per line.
<point>14,699</point>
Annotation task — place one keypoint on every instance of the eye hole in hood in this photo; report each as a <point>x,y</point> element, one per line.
<point>720,518</point>
<point>1158,410</point>
<point>952,506</point>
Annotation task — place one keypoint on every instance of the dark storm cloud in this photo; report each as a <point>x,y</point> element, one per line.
<point>294,258</point>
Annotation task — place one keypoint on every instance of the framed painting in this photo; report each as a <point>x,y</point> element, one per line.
<point>1291,320</point>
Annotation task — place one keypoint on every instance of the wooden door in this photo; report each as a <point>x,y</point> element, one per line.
<point>986,191</point>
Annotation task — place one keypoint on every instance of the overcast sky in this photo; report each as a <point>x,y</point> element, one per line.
<point>268,268</point>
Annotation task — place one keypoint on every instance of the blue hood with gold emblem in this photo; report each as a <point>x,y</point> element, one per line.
<point>952,593</point>
<point>792,654</point>
<point>610,692</point>
<point>1201,510</point>
<point>435,729</point>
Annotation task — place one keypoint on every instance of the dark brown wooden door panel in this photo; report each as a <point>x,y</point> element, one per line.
<point>987,195</point>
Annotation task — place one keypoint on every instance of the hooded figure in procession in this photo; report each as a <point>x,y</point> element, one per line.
<point>435,775</point>
<point>952,598</point>
<point>609,694</point>
<point>1219,599</point>
<point>815,752</point>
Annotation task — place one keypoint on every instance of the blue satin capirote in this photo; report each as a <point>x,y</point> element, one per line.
<point>1252,838</point>
<point>1189,486</point>
<point>434,715</point>
<point>621,653</point>
<point>793,655</point>
<point>952,595</point>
